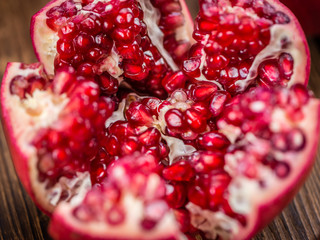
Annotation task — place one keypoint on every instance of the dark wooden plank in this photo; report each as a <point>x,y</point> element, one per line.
<point>20,219</point>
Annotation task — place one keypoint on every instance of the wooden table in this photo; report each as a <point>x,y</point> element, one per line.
<point>20,219</point>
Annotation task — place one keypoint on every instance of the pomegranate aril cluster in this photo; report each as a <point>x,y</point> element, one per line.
<point>260,113</point>
<point>230,39</point>
<point>200,179</point>
<point>87,39</point>
<point>122,139</point>
<point>24,86</point>
<point>190,112</point>
<point>72,141</point>
<point>134,180</point>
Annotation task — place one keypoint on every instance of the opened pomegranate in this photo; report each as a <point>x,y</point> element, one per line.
<point>218,144</point>
<point>243,43</point>
<point>112,41</point>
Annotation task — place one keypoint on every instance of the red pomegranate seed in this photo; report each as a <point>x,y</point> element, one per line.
<point>191,67</point>
<point>286,65</point>
<point>174,120</point>
<point>68,31</point>
<point>206,162</point>
<point>197,196</point>
<point>195,120</point>
<point>220,98</point>
<point>150,137</point>
<point>139,115</point>
<point>18,86</point>
<point>174,81</point>
<point>130,146</point>
<point>183,218</point>
<point>269,73</point>
<point>299,96</point>
<point>176,195</point>
<point>152,103</point>
<point>213,141</point>
<point>115,215</point>
<point>296,140</point>
<point>179,171</point>
<point>83,42</point>
<point>203,92</point>
<point>125,18</point>
<point>112,145</point>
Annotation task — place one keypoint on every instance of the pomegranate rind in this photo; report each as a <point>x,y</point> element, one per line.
<point>20,157</point>
<point>269,206</point>
<point>23,119</point>
<point>44,38</point>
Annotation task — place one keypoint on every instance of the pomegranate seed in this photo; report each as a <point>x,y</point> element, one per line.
<point>83,42</point>
<point>115,215</point>
<point>183,218</point>
<point>150,137</point>
<point>218,102</point>
<point>174,120</point>
<point>139,115</point>
<point>174,81</point>
<point>176,195</point>
<point>197,196</point>
<point>203,92</point>
<point>195,120</point>
<point>179,171</point>
<point>286,65</point>
<point>125,18</point>
<point>191,67</point>
<point>299,95</point>
<point>213,141</point>
<point>270,74</point>
<point>296,140</point>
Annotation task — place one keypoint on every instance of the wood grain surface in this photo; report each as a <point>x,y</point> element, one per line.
<point>20,219</point>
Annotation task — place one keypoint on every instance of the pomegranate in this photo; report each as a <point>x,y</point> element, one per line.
<point>139,41</point>
<point>244,43</point>
<point>307,15</point>
<point>218,144</point>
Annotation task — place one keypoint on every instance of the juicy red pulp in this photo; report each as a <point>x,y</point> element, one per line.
<point>87,39</point>
<point>230,39</point>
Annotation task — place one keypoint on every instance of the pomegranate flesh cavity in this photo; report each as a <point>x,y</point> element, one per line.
<point>247,43</point>
<point>129,129</point>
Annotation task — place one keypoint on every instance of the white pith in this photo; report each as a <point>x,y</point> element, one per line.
<point>28,117</point>
<point>133,207</point>
<point>151,19</point>
<point>295,47</point>
<point>247,195</point>
<point>45,39</point>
